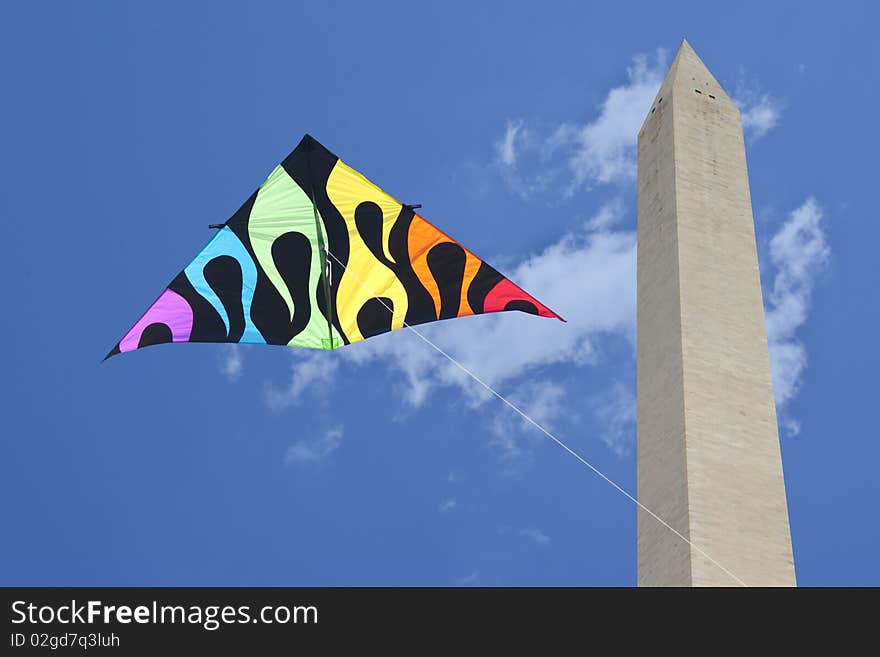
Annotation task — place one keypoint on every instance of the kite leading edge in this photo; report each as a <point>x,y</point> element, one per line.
<point>265,277</point>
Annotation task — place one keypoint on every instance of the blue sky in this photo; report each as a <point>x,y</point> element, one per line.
<point>128,128</point>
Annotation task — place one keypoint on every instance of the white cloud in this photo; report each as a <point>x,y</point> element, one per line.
<point>761,117</point>
<point>535,535</point>
<point>448,505</point>
<point>542,400</point>
<point>233,362</point>
<point>310,370</point>
<point>615,412</point>
<point>790,426</point>
<point>316,450</point>
<point>469,580</point>
<point>604,150</point>
<point>799,252</point>
<point>788,358</point>
<point>760,111</point>
<point>608,216</point>
<point>575,155</point>
<point>505,149</point>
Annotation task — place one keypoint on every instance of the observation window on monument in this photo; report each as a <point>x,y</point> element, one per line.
<point>711,96</point>
<point>698,91</point>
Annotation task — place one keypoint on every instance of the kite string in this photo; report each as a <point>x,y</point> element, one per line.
<point>538,426</point>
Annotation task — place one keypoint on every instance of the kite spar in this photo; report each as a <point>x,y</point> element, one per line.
<point>266,278</point>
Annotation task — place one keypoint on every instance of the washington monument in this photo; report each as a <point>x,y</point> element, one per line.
<point>709,461</point>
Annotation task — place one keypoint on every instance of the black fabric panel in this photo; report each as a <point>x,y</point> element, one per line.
<point>446,262</point>
<point>368,219</point>
<point>487,278</point>
<point>292,254</point>
<point>223,274</point>
<point>321,297</point>
<point>374,317</point>
<point>523,305</point>
<point>270,313</point>
<point>156,333</point>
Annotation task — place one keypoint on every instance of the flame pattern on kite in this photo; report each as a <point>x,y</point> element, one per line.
<point>265,277</point>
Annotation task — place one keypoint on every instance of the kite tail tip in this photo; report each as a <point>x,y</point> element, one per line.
<point>112,352</point>
<point>552,313</point>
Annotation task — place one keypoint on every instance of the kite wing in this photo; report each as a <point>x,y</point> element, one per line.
<point>320,257</point>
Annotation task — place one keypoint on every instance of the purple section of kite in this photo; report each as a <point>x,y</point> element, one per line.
<point>170,309</point>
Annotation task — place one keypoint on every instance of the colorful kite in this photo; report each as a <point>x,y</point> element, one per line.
<point>320,257</point>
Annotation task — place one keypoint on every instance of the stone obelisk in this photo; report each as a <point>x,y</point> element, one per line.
<point>709,461</point>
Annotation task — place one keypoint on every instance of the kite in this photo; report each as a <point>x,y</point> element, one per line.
<point>320,257</point>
